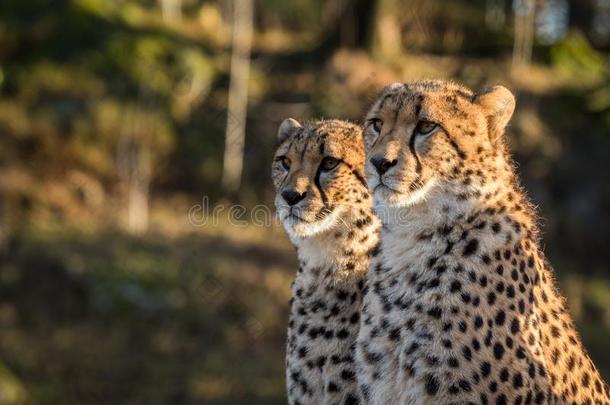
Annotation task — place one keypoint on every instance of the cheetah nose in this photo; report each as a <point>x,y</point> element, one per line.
<point>293,197</point>
<point>382,165</point>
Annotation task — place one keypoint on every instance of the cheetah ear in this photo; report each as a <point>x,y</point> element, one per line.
<point>499,104</point>
<point>287,128</point>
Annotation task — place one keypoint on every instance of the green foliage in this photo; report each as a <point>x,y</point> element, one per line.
<point>11,390</point>
<point>575,53</point>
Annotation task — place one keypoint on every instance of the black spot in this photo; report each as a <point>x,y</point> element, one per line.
<point>498,351</point>
<point>432,385</point>
<point>471,247</point>
<point>332,387</point>
<point>500,317</point>
<point>414,346</point>
<point>517,381</point>
<point>342,295</point>
<point>464,385</point>
<point>463,326</point>
<point>555,331</point>
<point>467,353</point>
<point>435,312</point>
<point>348,375</point>
<point>351,400</point>
<point>485,369</point>
<point>521,306</point>
<point>394,334</point>
<point>342,334</point>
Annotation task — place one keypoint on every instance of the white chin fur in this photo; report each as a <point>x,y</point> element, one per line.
<point>397,200</point>
<point>297,229</point>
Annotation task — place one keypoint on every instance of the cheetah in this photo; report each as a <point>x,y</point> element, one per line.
<point>462,306</point>
<point>326,209</point>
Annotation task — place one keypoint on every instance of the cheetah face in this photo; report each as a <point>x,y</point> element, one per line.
<point>426,134</point>
<point>318,175</point>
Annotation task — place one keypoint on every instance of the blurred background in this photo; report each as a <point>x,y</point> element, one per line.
<point>139,258</point>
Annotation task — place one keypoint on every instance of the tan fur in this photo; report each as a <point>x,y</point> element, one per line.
<point>462,307</point>
<point>335,232</point>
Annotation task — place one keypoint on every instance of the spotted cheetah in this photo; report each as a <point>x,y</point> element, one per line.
<point>325,207</point>
<point>462,306</point>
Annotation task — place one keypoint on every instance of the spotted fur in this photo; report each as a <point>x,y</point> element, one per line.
<point>462,306</point>
<point>325,207</point>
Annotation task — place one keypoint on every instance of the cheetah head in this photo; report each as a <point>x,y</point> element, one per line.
<point>428,134</point>
<point>318,175</point>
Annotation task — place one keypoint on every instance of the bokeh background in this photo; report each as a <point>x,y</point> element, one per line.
<point>138,263</point>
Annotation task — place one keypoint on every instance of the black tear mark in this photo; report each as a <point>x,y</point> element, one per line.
<point>317,183</point>
<point>418,166</point>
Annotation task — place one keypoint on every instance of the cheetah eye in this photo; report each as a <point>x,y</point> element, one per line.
<point>329,163</point>
<point>425,127</point>
<point>377,124</point>
<point>284,161</point>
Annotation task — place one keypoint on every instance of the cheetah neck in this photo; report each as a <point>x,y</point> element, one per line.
<point>339,255</point>
<point>325,310</point>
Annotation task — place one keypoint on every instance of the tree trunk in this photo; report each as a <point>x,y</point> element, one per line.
<point>139,186</point>
<point>387,35</point>
<point>524,31</point>
<point>171,10</point>
<point>134,159</point>
<point>243,13</point>
<point>134,162</point>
